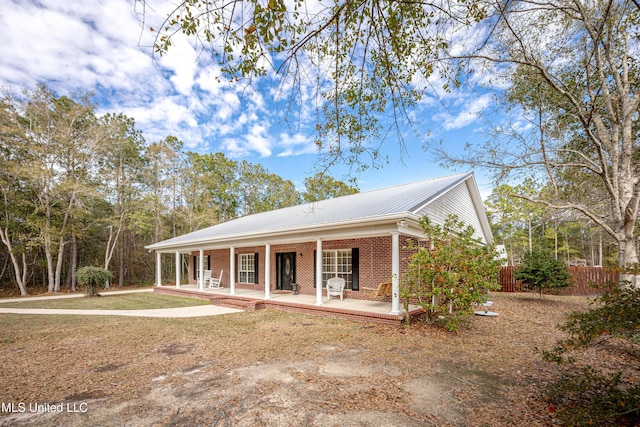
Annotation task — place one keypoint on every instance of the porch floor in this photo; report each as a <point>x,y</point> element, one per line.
<point>250,300</point>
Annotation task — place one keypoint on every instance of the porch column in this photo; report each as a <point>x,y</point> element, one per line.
<point>201,271</point>
<point>178,268</point>
<point>319,272</point>
<point>232,270</point>
<point>267,271</point>
<point>158,269</point>
<point>395,273</point>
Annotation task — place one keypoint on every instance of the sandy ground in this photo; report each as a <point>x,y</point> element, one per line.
<point>278,369</point>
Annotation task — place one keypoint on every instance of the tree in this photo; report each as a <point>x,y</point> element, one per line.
<point>17,198</point>
<point>521,226</point>
<point>259,190</point>
<point>540,270</point>
<point>210,183</point>
<point>52,147</point>
<point>572,72</point>
<point>355,63</point>
<point>515,218</point>
<point>322,186</point>
<point>451,273</point>
<point>120,178</point>
<point>91,278</point>
<point>164,173</point>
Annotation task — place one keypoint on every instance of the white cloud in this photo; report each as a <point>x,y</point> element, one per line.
<point>210,80</point>
<point>258,140</point>
<point>183,63</point>
<point>166,116</point>
<point>66,47</point>
<point>234,147</point>
<point>296,144</point>
<point>469,110</point>
<point>227,105</point>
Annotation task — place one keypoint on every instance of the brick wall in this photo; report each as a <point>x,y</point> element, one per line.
<point>375,263</point>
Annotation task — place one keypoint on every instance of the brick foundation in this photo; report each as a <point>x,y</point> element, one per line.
<point>252,304</point>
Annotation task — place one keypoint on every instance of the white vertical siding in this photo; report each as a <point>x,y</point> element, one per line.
<point>455,201</point>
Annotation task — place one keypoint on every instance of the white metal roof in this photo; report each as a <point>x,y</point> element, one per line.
<point>392,203</point>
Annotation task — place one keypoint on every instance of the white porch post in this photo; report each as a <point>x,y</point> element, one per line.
<point>267,271</point>
<point>232,270</point>
<point>319,272</point>
<point>395,273</point>
<point>178,268</point>
<point>158,269</point>
<point>201,271</point>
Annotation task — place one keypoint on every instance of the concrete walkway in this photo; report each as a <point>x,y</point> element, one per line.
<point>180,312</point>
<point>76,295</point>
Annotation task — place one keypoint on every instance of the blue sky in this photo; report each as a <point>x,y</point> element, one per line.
<point>102,46</point>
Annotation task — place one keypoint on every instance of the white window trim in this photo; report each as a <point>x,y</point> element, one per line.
<point>248,261</point>
<point>346,275</point>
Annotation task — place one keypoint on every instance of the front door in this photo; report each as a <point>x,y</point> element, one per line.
<point>286,270</point>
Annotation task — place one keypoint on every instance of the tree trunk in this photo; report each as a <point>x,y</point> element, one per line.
<point>65,222</point>
<point>112,244</point>
<point>21,276</point>
<point>628,257</point>
<point>555,240</point>
<point>4,268</point>
<point>50,274</point>
<point>122,260</point>
<point>600,261</point>
<point>48,251</point>
<point>59,262</point>
<point>73,262</point>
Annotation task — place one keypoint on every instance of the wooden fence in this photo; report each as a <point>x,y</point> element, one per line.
<point>586,281</point>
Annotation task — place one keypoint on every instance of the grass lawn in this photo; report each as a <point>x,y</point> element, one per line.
<point>281,369</point>
<point>132,301</point>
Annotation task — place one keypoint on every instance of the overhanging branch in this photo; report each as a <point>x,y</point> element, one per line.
<point>572,206</point>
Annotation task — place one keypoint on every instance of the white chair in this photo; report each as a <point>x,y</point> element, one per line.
<point>335,286</point>
<point>215,283</point>
<point>206,277</point>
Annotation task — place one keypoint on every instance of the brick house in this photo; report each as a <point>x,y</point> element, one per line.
<point>363,238</point>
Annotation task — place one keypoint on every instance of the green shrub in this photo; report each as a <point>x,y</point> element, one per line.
<point>540,270</point>
<point>616,313</point>
<point>452,274</point>
<point>91,278</point>
<point>592,397</point>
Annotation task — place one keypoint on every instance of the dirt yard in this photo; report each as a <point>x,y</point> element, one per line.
<point>279,369</point>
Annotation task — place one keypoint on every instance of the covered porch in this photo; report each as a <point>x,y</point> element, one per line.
<point>369,255</point>
<point>251,300</point>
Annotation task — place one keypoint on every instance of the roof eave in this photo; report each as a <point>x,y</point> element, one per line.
<point>482,215</point>
<point>283,234</point>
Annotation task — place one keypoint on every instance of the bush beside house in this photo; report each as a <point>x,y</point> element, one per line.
<point>450,275</point>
